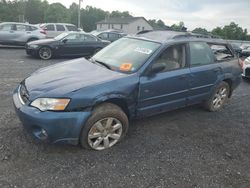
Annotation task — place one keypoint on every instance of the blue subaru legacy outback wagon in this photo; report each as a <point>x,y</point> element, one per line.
<point>91,101</point>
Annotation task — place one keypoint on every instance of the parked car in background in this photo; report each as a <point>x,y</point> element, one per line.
<point>108,35</point>
<point>91,101</point>
<point>246,68</point>
<point>245,51</point>
<point>237,49</point>
<point>55,29</point>
<point>75,44</point>
<point>14,33</point>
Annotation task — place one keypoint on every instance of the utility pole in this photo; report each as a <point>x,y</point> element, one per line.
<point>79,14</point>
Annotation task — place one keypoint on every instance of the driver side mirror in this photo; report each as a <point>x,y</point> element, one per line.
<point>156,68</point>
<point>64,40</point>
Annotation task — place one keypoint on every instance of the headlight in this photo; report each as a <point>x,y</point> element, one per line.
<point>247,62</point>
<point>33,46</point>
<point>44,104</point>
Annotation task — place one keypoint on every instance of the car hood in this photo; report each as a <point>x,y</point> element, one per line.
<point>42,41</point>
<point>63,78</point>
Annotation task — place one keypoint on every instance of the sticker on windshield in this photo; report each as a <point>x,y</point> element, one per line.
<point>126,67</point>
<point>143,50</point>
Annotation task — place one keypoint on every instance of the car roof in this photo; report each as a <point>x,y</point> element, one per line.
<point>169,36</point>
<point>107,31</point>
<point>18,23</point>
<point>57,23</point>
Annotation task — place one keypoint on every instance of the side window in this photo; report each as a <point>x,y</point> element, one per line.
<point>71,28</point>
<point>221,52</point>
<point>50,28</point>
<point>6,27</point>
<point>60,28</point>
<point>32,28</point>
<point>89,38</point>
<point>73,38</point>
<point>174,57</point>
<point>103,36</point>
<point>20,27</point>
<point>200,54</point>
<point>113,36</point>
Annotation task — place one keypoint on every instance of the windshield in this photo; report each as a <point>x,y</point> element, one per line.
<point>61,36</point>
<point>126,54</point>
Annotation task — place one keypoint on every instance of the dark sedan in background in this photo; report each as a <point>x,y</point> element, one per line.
<point>245,51</point>
<point>75,44</point>
<point>108,35</point>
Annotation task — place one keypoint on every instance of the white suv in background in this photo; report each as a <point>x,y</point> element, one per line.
<point>55,29</point>
<point>15,33</point>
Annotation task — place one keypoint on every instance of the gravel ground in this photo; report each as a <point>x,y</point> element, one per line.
<point>189,147</point>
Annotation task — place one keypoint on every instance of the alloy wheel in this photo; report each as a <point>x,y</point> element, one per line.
<point>45,53</point>
<point>220,97</point>
<point>105,133</point>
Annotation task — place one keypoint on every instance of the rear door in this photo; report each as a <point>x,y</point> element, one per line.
<point>204,71</point>
<point>60,29</point>
<point>90,45</point>
<point>50,30</point>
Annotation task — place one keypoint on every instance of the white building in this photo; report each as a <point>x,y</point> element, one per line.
<point>128,25</point>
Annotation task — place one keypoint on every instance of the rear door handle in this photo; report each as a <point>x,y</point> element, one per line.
<point>217,70</point>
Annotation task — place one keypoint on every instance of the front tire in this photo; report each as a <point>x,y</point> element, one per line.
<point>107,126</point>
<point>45,53</point>
<point>219,97</point>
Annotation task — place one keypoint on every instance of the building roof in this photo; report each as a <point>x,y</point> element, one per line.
<point>124,20</point>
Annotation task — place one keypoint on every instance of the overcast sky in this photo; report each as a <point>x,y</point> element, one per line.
<point>195,13</point>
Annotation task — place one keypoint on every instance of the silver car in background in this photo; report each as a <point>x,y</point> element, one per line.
<point>246,68</point>
<point>14,33</point>
<point>55,29</point>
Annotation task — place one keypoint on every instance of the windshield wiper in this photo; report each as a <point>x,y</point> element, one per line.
<point>101,63</point>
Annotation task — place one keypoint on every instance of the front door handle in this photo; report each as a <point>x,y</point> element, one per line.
<point>183,77</point>
<point>216,70</point>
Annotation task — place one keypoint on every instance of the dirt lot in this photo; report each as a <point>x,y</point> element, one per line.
<point>184,148</point>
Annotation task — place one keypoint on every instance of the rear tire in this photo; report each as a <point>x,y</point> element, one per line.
<point>218,98</point>
<point>106,127</point>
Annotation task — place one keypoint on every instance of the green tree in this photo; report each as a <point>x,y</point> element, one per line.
<point>115,14</point>
<point>57,13</point>
<point>158,24</point>
<point>179,27</point>
<point>89,17</point>
<point>35,11</point>
<point>200,30</point>
<point>73,13</point>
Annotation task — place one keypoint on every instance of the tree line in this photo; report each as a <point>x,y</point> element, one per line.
<point>40,11</point>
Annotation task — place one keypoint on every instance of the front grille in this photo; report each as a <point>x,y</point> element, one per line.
<point>23,94</point>
<point>247,72</point>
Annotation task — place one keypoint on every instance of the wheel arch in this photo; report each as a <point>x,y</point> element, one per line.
<point>229,82</point>
<point>118,100</point>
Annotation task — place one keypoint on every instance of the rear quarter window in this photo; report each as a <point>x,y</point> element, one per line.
<point>221,52</point>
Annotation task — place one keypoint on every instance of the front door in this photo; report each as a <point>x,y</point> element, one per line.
<point>71,45</point>
<point>167,89</point>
